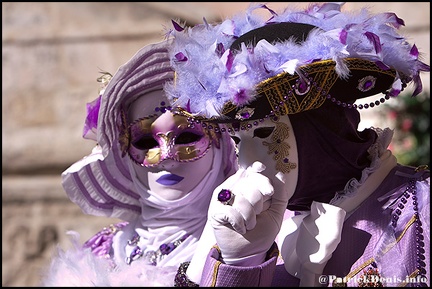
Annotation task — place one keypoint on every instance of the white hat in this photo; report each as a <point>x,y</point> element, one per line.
<point>100,183</point>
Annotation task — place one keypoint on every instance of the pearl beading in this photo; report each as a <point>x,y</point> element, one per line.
<point>411,192</point>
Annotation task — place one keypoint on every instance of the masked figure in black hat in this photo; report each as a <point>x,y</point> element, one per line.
<point>289,88</point>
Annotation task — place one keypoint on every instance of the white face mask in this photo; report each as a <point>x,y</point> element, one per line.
<point>169,178</point>
<point>273,144</point>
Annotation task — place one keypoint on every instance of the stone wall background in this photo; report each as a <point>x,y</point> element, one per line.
<point>52,53</point>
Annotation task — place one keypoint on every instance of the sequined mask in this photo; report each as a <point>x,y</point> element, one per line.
<point>152,140</point>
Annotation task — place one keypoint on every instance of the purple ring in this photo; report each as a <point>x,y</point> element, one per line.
<point>225,197</point>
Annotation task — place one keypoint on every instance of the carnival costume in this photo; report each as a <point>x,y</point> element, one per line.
<point>157,234</point>
<point>359,217</point>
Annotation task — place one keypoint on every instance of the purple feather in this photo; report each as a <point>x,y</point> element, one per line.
<point>423,67</point>
<point>230,60</point>
<point>206,23</point>
<point>343,36</point>
<point>418,85</point>
<point>220,49</point>
<point>382,65</point>
<point>375,41</point>
<point>90,125</point>
<point>177,26</point>
<point>188,106</point>
<point>270,10</point>
<point>396,21</point>
<point>241,96</point>
<point>217,83</point>
<point>414,51</point>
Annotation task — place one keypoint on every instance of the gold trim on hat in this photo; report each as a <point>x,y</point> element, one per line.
<point>280,90</point>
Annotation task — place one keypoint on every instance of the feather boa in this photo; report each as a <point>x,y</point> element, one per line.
<point>78,267</point>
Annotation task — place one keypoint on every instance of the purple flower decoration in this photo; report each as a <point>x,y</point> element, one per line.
<point>90,125</point>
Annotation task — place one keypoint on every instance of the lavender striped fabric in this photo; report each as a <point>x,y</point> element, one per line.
<point>100,184</point>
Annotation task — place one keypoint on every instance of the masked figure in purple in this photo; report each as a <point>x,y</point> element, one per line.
<point>333,207</point>
<point>150,168</point>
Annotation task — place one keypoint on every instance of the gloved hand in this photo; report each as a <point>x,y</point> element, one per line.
<point>246,229</point>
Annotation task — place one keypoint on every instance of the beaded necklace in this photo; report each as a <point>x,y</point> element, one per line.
<point>411,192</point>
<point>151,257</point>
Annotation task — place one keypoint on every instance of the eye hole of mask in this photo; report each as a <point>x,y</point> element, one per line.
<point>236,139</point>
<point>263,132</point>
<point>145,142</point>
<point>187,138</point>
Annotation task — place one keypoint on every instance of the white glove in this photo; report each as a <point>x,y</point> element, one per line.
<point>246,229</point>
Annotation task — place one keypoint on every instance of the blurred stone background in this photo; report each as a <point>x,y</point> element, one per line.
<point>52,53</point>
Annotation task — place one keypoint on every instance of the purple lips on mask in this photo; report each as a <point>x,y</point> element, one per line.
<point>169,180</point>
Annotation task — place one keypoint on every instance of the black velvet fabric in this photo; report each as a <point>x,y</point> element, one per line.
<point>274,32</point>
<point>331,151</point>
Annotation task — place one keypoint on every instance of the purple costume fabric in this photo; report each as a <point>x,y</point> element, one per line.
<point>217,274</point>
<point>388,234</point>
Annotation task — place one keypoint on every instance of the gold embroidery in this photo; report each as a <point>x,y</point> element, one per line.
<point>279,148</point>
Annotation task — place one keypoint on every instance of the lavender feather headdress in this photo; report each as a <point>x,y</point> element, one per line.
<point>248,68</point>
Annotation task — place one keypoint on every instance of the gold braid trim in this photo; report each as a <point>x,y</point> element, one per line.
<point>215,273</point>
<point>281,85</point>
<point>285,96</point>
<point>412,275</point>
<point>216,268</point>
<point>358,269</point>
